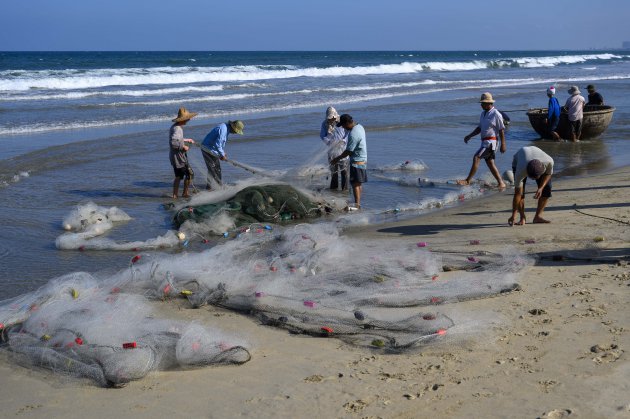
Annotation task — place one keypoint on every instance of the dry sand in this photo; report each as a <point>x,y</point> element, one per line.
<point>557,348</point>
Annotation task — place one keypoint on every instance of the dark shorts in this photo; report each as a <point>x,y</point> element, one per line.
<point>181,172</point>
<point>485,153</point>
<point>546,192</point>
<point>357,176</point>
<point>576,127</point>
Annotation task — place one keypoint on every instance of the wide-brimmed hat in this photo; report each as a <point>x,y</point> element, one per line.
<point>574,90</point>
<point>184,115</point>
<point>486,98</point>
<point>237,126</point>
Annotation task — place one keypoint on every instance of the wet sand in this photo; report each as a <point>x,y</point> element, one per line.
<point>556,348</point>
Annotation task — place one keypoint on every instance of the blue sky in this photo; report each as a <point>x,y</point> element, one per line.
<point>44,25</point>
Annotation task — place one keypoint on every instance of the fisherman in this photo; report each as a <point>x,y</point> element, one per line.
<point>553,114</point>
<point>357,150</point>
<point>178,149</point>
<point>594,97</point>
<point>212,149</point>
<point>490,126</point>
<point>336,139</point>
<point>534,163</point>
<point>575,108</point>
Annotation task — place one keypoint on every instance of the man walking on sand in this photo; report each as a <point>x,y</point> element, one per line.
<point>491,128</point>
<point>534,163</point>
<point>357,150</point>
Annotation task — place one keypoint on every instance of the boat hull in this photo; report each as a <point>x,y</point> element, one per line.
<point>596,120</point>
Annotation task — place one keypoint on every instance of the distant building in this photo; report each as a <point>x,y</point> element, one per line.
<point>625,45</point>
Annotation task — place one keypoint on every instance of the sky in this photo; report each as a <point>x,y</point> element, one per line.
<point>283,25</point>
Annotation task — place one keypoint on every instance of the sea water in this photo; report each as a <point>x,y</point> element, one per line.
<point>93,127</point>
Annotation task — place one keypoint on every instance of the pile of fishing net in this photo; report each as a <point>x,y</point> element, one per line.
<point>309,279</point>
<point>304,278</point>
<point>258,203</point>
<point>80,326</point>
<point>88,222</point>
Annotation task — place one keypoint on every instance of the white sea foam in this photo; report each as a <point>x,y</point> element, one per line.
<point>20,80</point>
<point>301,104</point>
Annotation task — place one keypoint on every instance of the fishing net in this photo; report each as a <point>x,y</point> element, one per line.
<point>304,278</point>
<point>258,203</point>
<point>308,279</point>
<point>91,329</point>
<point>88,222</point>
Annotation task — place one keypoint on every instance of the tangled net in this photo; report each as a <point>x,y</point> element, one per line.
<point>258,203</point>
<point>82,327</point>
<point>305,278</point>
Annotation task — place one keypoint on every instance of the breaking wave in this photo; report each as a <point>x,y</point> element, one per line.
<point>70,79</point>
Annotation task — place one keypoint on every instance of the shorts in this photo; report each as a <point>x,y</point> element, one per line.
<point>576,127</point>
<point>357,176</point>
<point>546,192</point>
<point>486,153</point>
<point>181,172</point>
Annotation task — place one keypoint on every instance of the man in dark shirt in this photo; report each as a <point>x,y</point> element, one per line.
<point>594,98</point>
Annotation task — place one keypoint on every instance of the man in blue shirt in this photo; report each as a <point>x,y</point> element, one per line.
<point>553,114</point>
<point>212,149</point>
<point>357,150</point>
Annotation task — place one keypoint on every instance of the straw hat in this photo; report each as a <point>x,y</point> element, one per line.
<point>486,98</point>
<point>184,115</point>
<point>237,126</point>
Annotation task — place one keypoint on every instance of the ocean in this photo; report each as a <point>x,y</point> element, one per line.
<point>79,127</point>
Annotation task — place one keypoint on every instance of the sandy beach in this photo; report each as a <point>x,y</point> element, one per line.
<point>555,348</point>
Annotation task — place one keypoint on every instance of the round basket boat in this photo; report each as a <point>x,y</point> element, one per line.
<point>596,120</point>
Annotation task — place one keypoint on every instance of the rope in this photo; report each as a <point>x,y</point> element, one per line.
<point>599,216</point>
<point>515,110</point>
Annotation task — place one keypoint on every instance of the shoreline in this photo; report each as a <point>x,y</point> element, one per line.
<point>557,346</point>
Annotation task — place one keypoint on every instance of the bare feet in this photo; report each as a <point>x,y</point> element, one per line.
<point>186,196</point>
<point>174,196</point>
<point>540,220</point>
<point>519,223</point>
<point>463,182</point>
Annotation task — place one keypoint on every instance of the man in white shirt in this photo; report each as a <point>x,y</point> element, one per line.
<point>531,162</point>
<point>575,107</point>
<point>491,128</point>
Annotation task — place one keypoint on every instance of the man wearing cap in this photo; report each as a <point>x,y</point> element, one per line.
<point>212,149</point>
<point>531,162</point>
<point>575,107</point>
<point>491,128</point>
<point>594,98</point>
<point>178,148</point>
<point>356,148</point>
<point>553,114</point>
